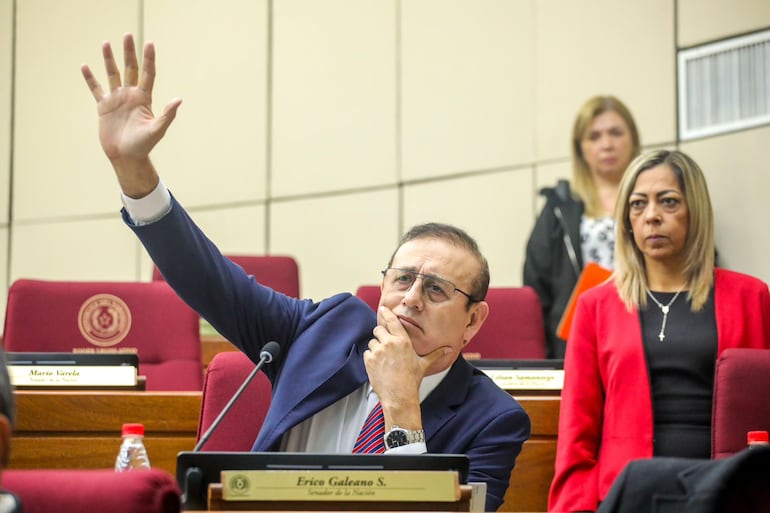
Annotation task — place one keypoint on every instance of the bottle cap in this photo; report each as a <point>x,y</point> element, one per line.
<point>753,437</point>
<point>133,429</point>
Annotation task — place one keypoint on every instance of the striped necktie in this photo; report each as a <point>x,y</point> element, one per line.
<point>371,438</point>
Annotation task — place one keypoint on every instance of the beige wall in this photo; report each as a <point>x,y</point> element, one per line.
<point>324,128</point>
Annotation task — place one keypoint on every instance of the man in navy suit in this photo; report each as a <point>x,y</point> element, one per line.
<point>339,359</point>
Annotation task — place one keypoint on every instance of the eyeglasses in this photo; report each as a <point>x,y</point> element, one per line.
<point>436,289</point>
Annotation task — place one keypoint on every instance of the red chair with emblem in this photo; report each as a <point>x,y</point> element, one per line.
<point>280,273</point>
<point>513,330</point>
<point>147,318</point>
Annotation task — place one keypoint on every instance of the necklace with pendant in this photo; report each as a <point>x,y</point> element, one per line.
<point>664,309</point>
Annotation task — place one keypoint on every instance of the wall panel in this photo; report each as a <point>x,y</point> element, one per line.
<point>622,48</point>
<point>494,209</point>
<point>467,85</point>
<point>57,157</point>
<point>738,181</point>
<point>214,56</point>
<point>701,21</point>
<point>6,79</point>
<point>334,95</point>
<point>341,242</point>
<point>96,249</point>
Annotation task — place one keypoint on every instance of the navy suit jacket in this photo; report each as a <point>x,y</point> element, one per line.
<point>321,359</point>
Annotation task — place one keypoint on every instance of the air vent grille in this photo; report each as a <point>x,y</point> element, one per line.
<point>724,86</point>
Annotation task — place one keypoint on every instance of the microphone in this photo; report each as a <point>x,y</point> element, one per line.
<point>269,352</point>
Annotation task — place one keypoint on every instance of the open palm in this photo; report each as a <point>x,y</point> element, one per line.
<point>128,129</point>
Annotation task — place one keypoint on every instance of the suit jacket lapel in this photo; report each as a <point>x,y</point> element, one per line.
<point>297,403</point>
<point>439,407</point>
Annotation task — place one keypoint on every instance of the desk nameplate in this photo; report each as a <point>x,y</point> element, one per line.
<point>72,375</point>
<point>340,485</point>
<point>527,379</point>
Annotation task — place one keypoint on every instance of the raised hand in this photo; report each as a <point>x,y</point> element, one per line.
<point>128,129</point>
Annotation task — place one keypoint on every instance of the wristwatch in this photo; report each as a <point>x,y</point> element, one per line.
<point>398,437</point>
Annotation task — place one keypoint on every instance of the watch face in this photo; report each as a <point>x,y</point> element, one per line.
<point>396,438</point>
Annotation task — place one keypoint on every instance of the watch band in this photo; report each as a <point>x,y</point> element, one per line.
<point>398,437</point>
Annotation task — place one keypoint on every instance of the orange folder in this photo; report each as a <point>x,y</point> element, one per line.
<point>593,274</point>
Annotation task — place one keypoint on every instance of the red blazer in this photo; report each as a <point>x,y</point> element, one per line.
<point>606,408</point>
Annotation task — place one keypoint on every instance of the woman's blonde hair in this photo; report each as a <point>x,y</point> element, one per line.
<point>698,264</point>
<point>582,178</point>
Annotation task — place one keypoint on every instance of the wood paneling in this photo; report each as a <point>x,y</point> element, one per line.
<point>81,429</point>
<point>532,476</point>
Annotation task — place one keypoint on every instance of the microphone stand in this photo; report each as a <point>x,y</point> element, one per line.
<point>268,354</point>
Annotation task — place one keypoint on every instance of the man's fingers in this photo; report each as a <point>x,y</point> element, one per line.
<point>129,61</point>
<point>93,84</point>
<point>148,69</point>
<point>387,319</point>
<point>113,74</point>
<point>163,121</point>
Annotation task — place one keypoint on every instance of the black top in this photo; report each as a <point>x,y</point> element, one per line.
<point>681,370</point>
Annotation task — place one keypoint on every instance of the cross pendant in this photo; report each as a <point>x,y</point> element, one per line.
<point>661,336</point>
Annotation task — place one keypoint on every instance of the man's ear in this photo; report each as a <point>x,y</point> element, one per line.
<point>478,314</point>
<point>5,440</point>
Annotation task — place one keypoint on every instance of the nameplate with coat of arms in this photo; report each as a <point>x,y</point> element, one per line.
<point>342,485</point>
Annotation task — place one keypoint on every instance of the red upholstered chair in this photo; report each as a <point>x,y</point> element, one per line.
<point>369,294</point>
<point>513,330</point>
<point>741,404</point>
<point>149,318</point>
<point>280,273</point>
<point>78,491</point>
<point>240,426</point>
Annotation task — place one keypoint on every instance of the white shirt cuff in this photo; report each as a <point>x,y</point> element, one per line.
<point>417,448</point>
<point>150,208</point>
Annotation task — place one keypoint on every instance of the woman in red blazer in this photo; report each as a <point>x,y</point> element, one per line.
<point>639,367</point>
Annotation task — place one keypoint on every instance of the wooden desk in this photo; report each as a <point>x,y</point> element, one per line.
<point>71,429</point>
<point>81,429</point>
<point>532,476</point>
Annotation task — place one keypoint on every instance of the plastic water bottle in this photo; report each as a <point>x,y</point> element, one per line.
<point>756,438</point>
<point>132,455</point>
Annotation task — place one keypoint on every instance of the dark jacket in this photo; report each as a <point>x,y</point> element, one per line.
<point>682,485</point>
<point>554,259</point>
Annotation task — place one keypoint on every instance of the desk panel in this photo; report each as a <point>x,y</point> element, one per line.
<point>81,429</point>
<point>532,476</point>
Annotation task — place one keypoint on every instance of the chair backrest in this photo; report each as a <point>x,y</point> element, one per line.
<point>240,426</point>
<point>76,491</point>
<point>741,384</point>
<point>513,330</point>
<point>280,273</point>
<point>148,318</point>
<point>369,294</point>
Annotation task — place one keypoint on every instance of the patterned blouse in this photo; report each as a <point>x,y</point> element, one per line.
<point>597,240</point>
